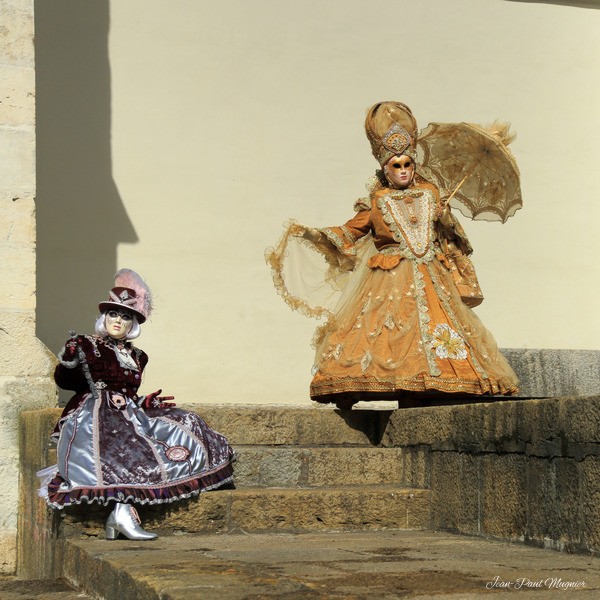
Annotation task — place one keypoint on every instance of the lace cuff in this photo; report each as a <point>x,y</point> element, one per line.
<point>70,364</point>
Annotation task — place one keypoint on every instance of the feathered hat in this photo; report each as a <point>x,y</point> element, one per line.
<point>130,292</point>
<point>392,131</point>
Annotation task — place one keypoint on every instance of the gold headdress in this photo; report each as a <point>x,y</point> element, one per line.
<point>392,130</point>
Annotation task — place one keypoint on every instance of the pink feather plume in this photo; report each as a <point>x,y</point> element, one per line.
<point>130,279</point>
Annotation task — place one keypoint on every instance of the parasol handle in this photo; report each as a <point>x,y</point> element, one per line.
<point>460,184</point>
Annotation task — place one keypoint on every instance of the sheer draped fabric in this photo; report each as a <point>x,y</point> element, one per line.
<point>395,303</point>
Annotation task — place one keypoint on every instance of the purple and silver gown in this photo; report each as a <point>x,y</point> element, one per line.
<point>109,448</point>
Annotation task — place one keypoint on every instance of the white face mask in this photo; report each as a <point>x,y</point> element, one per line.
<point>118,323</point>
<point>399,171</point>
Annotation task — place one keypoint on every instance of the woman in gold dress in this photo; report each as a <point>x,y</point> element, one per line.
<point>403,327</point>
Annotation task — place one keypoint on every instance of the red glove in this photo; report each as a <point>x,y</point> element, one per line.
<point>155,400</point>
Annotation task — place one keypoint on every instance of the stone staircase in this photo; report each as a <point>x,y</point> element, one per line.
<point>298,470</point>
<point>302,470</point>
<point>518,470</point>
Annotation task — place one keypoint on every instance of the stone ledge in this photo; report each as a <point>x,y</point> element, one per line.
<point>553,427</point>
<point>271,509</point>
<point>547,373</point>
<point>291,426</point>
<point>522,470</point>
<point>283,466</point>
<point>319,566</point>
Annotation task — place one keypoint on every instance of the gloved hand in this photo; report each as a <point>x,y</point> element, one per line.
<point>312,234</point>
<point>155,400</point>
<point>70,352</point>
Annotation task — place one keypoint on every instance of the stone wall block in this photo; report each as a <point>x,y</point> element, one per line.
<point>541,428</point>
<point>504,496</point>
<point>17,224</point>
<point>8,553</point>
<point>418,426</point>
<point>301,426</point>
<point>455,492</point>
<point>16,33</point>
<point>17,99</point>
<point>583,417</point>
<point>287,471</point>
<point>553,503</point>
<point>8,514</point>
<point>415,467</point>
<point>17,161</point>
<point>548,427</point>
<point>355,466</point>
<point>19,293</point>
<point>542,494</point>
<point>483,427</point>
<point>17,395</point>
<point>34,438</point>
<point>590,503</point>
<point>261,466</point>
<point>210,512</point>
<point>546,373</point>
<point>38,547</point>
<point>561,427</point>
<point>23,354</point>
<point>286,510</point>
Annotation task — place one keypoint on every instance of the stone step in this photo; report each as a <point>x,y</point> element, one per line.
<point>383,565</point>
<point>313,425</point>
<point>343,480</point>
<point>297,466</point>
<point>272,510</point>
<point>316,425</point>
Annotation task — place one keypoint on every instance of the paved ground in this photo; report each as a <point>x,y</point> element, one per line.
<point>350,566</point>
<point>13,589</point>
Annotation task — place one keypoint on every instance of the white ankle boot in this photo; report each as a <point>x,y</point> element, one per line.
<point>124,519</point>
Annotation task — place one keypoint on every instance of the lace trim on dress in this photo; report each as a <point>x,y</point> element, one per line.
<point>70,364</point>
<point>411,227</point>
<point>347,248</point>
<point>424,320</point>
<point>141,494</point>
<point>442,294</point>
<point>275,258</point>
<point>362,204</point>
<point>420,383</point>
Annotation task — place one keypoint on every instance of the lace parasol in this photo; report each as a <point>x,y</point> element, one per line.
<point>473,168</point>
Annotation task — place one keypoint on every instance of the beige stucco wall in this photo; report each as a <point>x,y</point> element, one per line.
<point>178,136</point>
<point>25,363</point>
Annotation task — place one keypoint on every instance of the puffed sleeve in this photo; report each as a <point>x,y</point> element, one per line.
<point>338,244</point>
<point>450,231</point>
<point>344,238</point>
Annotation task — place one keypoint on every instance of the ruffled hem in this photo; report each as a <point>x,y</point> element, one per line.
<point>421,383</point>
<point>139,494</point>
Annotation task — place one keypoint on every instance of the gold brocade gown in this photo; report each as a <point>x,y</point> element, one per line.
<point>407,327</point>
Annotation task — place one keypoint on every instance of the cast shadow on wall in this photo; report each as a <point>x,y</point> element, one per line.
<point>80,215</point>
<point>575,3</point>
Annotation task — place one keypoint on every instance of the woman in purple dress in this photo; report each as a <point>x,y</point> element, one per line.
<point>115,446</point>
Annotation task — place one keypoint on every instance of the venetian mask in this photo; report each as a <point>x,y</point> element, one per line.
<point>399,171</point>
<point>118,323</point>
